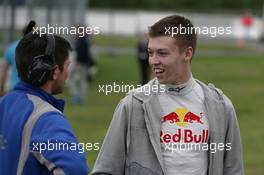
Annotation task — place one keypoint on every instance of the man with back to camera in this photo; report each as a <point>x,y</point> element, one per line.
<point>183,127</point>
<point>35,136</point>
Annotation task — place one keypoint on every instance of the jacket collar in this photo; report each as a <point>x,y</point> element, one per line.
<point>145,96</point>
<point>30,89</point>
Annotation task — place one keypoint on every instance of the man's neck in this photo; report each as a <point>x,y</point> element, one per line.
<point>47,88</point>
<point>183,79</point>
<point>180,89</point>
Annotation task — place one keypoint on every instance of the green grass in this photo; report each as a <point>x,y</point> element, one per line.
<point>240,78</point>
<point>90,121</point>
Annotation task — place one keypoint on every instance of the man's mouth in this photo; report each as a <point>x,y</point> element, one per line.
<point>158,70</point>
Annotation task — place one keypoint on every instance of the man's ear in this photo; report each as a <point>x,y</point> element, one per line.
<point>56,72</point>
<point>188,54</point>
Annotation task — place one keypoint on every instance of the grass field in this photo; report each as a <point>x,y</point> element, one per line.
<point>241,78</point>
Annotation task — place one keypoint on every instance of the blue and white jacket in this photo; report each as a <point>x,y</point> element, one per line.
<point>35,137</point>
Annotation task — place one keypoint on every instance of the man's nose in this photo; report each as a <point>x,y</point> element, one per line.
<point>154,59</point>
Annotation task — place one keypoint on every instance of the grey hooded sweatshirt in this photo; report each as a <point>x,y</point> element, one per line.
<point>132,143</point>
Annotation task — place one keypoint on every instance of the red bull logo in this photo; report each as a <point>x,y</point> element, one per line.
<point>186,135</point>
<point>171,117</point>
<point>182,117</point>
<point>191,117</point>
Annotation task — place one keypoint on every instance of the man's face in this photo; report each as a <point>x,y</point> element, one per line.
<point>61,77</point>
<point>169,65</point>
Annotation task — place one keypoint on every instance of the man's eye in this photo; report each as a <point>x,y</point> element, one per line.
<point>163,53</point>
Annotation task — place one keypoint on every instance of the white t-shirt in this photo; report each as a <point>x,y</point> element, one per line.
<point>184,129</point>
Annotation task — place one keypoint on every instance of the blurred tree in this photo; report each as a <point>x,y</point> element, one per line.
<point>207,5</point>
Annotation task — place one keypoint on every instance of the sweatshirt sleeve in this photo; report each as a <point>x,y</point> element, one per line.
<point>54,145</point>
<point>233,161</point>
<point>112,156</point>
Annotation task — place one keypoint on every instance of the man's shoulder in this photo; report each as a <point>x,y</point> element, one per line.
<point>48,117</point>
<point>40,103</point>
<point>215,93</point>
<point>17,98</point>
<point>43,111</point>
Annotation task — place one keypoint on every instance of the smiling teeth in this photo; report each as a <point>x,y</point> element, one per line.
<point>159,71</point>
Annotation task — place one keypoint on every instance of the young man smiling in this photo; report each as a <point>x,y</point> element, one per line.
<point>32,124</point>
<point>190,129</point>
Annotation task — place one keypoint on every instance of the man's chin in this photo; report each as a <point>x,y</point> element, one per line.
<point>161,80</point>
<point>164,81</point>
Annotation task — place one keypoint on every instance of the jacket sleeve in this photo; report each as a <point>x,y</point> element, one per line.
<point>112,156</point>
<point>233,159</point>
<point>54,145</point>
